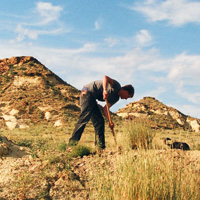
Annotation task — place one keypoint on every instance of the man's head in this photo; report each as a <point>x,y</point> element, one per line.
<point>126,92</point>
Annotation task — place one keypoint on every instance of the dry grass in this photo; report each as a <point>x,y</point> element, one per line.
<point>152,171</point>
<point>155,173</point>
<point>148,174</point>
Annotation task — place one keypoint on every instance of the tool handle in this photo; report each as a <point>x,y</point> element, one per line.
<point>108,112</point>
<point>110,120</point>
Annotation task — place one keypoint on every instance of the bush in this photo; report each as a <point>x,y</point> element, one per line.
<point>62,146</point>
<point>80,151</point>
<point>25,143</point>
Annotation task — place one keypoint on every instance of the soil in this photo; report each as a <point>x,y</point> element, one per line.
<point>24,177</point>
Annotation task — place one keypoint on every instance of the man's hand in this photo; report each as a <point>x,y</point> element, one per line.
<point>111,125</point>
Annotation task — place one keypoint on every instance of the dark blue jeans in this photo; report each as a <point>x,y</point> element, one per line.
<point>89,110</point>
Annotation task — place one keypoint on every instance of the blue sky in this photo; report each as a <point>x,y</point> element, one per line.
<point>152,44</point>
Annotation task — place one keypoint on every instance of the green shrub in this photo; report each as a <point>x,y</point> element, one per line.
<point>62,147</point>
<point>80,151</point>
<point>25,143</point>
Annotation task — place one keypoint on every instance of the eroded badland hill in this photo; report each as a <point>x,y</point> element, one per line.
<point>159,115</point>
<point>30,93</point>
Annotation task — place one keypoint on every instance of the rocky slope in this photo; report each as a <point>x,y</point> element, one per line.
<point>31,93</point>
<point>159,115</point>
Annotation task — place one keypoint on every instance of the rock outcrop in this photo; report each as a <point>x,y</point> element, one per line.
<point>30,93</point>
<point>159,115</point>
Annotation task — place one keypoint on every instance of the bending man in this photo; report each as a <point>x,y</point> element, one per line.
<point>107,88</point>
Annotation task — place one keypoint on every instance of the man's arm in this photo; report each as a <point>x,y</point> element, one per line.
<point>105,110</point>
<point>106,80</point>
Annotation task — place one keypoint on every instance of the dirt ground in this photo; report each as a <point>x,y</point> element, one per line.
<point>24,177</point>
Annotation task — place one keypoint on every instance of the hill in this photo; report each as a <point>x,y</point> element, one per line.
<point>159,115</point>
<point>30,93</point>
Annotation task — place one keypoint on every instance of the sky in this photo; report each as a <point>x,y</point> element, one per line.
<point>152,44</point>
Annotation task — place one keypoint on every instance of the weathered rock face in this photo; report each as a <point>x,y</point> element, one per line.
<point>30,93</point>
<point>194,123</point>
<point>159,115</point>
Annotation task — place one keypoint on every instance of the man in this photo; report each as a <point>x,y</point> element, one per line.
<point>108,89</point>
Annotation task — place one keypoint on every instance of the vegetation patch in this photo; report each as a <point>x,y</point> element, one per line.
<point>148,172</point>
<point>25,143</point>
<point>80,151</point>
<point>140,135</point>
<point>62,146</point>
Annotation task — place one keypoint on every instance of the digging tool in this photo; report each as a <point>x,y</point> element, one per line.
<point>110,121</point>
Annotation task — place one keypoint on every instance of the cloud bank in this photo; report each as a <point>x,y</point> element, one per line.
<point>176,12</point>
<point>45,21</point>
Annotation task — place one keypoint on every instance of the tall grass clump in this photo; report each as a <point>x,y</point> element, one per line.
<point>147,175</point>
<point>137,135</point>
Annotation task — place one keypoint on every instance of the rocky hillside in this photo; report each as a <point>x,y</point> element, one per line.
<point>31,93</point>
<point>159,115</point>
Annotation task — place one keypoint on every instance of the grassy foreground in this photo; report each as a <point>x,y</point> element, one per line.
<point>148,175</point>
<point>153,171</point>
<point>144,169</point>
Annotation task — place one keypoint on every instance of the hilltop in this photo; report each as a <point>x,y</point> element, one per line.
<point>30,93</point>
<point>159,115</point>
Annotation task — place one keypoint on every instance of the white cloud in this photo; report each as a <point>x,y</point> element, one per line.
<point>193,97</point>
<point>185,67</point>
<point>111,41</point>
<point>157,91</point>
<point>44,22</point>
<point>184,74</point>
<point>141,60</point>
<point>143,38</point>
<point>176,12</point>
<point>98,23</point>
<point>191,110</point>
<point>33,34</point>
<point>48,12</point>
